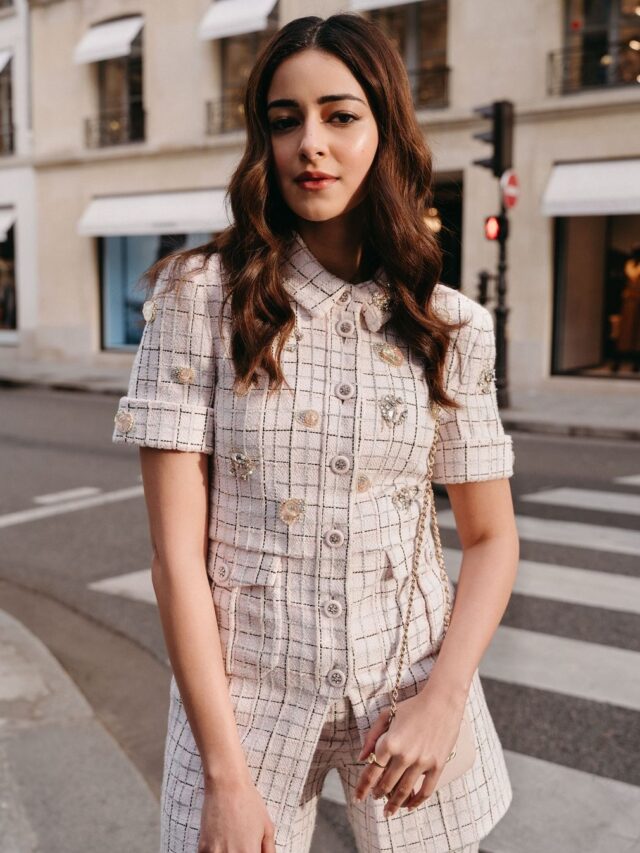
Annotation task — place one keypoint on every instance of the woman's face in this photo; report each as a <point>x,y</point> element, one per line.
<point>339,137</point>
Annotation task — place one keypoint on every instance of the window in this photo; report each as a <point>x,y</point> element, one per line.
<point>123,261</point>
<point>237,55</point>
<point>602,47</point>
<point>419,32</point>
<point>114,50</point>
<point>6,105</point>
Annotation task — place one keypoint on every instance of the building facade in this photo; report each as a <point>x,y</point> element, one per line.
<point>133,126</point>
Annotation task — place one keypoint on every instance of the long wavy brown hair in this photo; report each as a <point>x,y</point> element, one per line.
<point>399,193</point>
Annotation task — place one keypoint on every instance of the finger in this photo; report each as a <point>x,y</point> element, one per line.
<point>380,725</point>
<point>402,790</point>
<point>427,787</point>
<point>390,777</point>
<point>368,779</point>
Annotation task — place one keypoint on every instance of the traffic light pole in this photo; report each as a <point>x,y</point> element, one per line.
<point>501,312</point>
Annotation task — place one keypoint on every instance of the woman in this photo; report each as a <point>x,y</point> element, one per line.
<point>298,505</point>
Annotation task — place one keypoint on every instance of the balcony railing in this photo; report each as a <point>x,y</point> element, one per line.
<point>576,69</point>
<point>430,86</point>
<point>116,127</point>
<point>7,138</point>
<point>225,114</point>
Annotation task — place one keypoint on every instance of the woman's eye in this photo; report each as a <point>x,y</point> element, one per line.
<point>281,123</point>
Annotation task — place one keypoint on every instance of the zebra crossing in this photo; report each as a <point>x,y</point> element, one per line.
<point>556,808</point>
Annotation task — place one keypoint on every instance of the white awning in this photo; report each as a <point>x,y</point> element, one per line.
<point>366,5</point>
<point>7,219</point>
<point>601,187</point>
<point>197,211</point>
<point>5,56</point>
<point>235,17</point>
<point>108,40</point>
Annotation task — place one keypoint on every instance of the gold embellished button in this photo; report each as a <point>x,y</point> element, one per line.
<point>389,353</point>
<point>149,310</point>
<point>183,373</point>
<point>403,496</point>
<point>381,299</point>
<point>123,420</point>
<point>363,483</point>
<point>293,339</point>
<point>308,417</point>
<point>291,509</point>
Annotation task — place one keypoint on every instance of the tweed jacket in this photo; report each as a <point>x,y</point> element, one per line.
<point>315,492</point>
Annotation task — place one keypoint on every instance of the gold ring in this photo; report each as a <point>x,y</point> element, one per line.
<point>371,759</point>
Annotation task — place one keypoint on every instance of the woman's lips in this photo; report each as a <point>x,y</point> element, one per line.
<point>316,184</point>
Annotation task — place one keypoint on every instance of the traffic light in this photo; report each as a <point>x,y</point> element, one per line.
<point>496,227</point>
<point>500,136</point>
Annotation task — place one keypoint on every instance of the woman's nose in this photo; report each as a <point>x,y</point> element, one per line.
<point>312,142</point>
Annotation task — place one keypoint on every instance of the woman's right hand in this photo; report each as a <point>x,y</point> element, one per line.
<point>235,820</point>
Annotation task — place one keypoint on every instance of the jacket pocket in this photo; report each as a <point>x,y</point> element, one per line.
<point>246,587</point>
<point>393,598</point>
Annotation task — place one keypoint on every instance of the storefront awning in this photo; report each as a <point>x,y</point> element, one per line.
<point>5,56</point>
<point>602,187</point>
<point>197,211</point>
<point>7,219</point>
<point>365,5</point>
<point>108,40</point>
<point>235,17</point>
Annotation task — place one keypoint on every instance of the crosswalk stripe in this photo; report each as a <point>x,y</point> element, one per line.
<point>595,537</point>
<point>565,583</point>
<point>595,499</point>
<point>555,808</point>
<point>26,515</point>
<point>135,585</point>
<point>628,480</point>
<point>590,671</point>
<point>67,495</point>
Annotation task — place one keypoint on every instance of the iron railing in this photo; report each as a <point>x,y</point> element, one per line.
<point>576,69</point>
<point>225,114</point>
<point>116,127</point>
<point>430,86</point>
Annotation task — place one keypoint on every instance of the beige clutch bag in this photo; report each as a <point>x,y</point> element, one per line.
<point>463,754</point>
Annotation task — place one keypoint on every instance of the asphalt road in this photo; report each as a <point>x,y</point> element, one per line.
<point>55,543</point>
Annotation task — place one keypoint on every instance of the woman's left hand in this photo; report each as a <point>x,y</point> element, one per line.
<point>421,736</point>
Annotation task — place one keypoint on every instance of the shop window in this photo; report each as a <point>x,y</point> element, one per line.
<point>8,318</point>
<point>124,260</point>
<point>596,320</point>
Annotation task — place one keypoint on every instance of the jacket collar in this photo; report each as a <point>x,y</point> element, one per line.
<point>316,289</point>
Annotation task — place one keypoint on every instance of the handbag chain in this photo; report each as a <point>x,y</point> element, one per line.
<point>427,503</point>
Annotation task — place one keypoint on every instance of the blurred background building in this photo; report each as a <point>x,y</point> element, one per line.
<point>121,122</point>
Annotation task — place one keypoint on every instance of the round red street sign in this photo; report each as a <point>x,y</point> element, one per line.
<point>510,187</point>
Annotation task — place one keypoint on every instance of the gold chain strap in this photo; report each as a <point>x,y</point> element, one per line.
<point>428,502</point>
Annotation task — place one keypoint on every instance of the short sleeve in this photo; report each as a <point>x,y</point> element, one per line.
<point>169,400</point>
<point>472,444</point>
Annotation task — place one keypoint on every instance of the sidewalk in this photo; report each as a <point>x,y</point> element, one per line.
<point>65,784</point>
<point>598,407</point>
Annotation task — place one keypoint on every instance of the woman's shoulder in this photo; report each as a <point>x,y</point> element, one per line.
<point>456,306</point>
<point>194,276</point>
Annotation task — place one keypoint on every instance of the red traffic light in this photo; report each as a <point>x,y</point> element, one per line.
<point>495,228</point>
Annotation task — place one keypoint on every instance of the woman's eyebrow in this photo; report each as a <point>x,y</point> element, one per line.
<point>323,99</point>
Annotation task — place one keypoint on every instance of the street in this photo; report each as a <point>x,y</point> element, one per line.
<point>561,675</point>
